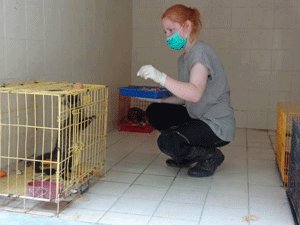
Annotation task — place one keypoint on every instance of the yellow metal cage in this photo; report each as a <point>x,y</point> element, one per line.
<point>286,112</point>
<point>52,141</point>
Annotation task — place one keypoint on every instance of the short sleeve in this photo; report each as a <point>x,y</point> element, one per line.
<point>198,54</point>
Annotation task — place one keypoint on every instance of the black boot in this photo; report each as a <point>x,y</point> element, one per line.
<point>184,163</point>
<point>196,154</point>
<point>208,167</point>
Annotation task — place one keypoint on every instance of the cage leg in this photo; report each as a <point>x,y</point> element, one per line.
<point>84,190</point>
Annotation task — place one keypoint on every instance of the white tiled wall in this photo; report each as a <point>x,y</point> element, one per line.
<point>106,42</point>
<point>258,42</point>
<point>67,40</point>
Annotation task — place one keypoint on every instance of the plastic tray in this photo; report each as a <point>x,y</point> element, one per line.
<point>141,129</point>
<point>43,189</point>
<point>136,91</point>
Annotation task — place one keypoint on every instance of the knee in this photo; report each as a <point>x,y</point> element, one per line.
<point>152,110</point>
<point>171,143</point>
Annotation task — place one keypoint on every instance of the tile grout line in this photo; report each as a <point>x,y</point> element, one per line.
<point>132,181</point>
<point>272,144</point>
<point>163,196</point>
<point>248,185</point>
<point>199,223</point>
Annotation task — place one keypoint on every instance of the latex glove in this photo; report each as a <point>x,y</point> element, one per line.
<point>149,71</point>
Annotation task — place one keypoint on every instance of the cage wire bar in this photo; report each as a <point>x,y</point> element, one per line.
<point>286,111</point>
<point>293,191</point>
<point>125,103</point>
<point>52,141</point>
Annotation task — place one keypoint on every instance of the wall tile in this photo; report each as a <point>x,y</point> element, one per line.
<point>241,17</point>
<point>2,19</point>
<point>206,17</point>
<point>240,58</point>
<point>52,4</point>
<point>241,39</point>
<point>281,81</point>
<point>298,18</point>
<point>264,3</point>
<point>294,95</point>
<point>272,121</point>
<point>284,17</point>
<point>190,3</point>
<point>205,35</point>
<point>35,54</point>
<point>297,61</point>
<point>258,100</point>
<point>150,4</point>
<point>235,78</point>
<point>52,57</point>
<point>147,19</point>
<point>295,85</point>
<point>224,55</point>
<point>261,59</point>
<point>220,38</point>
<point>3,58</point>
<point>282,60</point>
<point>257,120</point>
<point>89,8</point>
<point>66,57</point>
<point>156,39</point>
<point>52,24</point>
<point>221,3</point>
<point>221,18</point>
<point>35,20</point>
<point>240,118</point>
<point>65,33</point>
<point>285,3</point>
<point>240,99</point>
<point>283,38</point>
<point>276,97</point>
<point>262,38</point>
<point>15,21</point>
<point>16,58</point>
<point>242,3</point>
<point>156,57</point>
<point>257,80</point>
<point>263,18</point>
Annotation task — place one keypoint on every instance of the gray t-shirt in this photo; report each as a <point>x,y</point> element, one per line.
<point>214,108</point>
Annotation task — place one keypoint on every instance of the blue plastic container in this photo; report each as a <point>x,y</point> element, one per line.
<point>136,91</point>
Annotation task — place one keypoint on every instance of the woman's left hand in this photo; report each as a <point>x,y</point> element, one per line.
<point>149,71</point>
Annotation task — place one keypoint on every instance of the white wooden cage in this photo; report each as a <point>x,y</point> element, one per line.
<point>52,139</point>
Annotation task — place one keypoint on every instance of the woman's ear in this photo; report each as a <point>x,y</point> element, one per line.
<point>188,25</point>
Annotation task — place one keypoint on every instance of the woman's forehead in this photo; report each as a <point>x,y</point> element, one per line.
<point>169,23</point>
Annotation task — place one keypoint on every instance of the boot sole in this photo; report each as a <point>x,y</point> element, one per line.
<point>178,166</point>
<point>201,174</point>
<point>204,174</point>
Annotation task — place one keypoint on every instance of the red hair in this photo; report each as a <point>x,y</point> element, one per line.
<point>180,14</point>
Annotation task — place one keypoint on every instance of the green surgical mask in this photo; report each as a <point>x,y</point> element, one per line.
<point>176,42</point>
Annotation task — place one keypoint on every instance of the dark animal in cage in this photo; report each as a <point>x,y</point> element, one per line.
<point>66,137</point>
<point>137,116</point>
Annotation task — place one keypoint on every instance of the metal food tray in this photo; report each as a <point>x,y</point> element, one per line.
<point>136,91</point>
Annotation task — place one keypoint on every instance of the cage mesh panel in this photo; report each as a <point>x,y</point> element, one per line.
<point>286,111</point>
<point>54,135</point>
<point>294,168</point>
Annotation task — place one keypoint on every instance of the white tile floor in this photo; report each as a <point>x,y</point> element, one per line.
<point>140,189</point>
